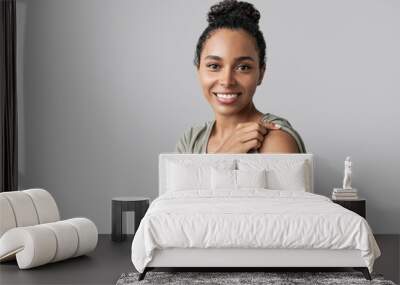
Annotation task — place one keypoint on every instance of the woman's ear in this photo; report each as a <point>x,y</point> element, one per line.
<point>262,72</point>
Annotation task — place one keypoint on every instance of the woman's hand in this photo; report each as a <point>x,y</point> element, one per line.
<point>246,136</point>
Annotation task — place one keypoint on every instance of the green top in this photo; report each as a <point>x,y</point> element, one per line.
<point>195,139</point>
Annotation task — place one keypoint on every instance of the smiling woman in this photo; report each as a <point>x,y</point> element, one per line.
<point>230,62</point>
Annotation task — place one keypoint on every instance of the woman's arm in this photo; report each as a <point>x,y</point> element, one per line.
<point>278,141</point>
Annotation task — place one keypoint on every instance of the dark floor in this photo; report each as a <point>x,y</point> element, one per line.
<point>102,266</point>
<point>110,259</point>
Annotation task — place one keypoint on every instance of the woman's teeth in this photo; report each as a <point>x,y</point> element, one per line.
<point>227,98</point>
<point>227,95</point>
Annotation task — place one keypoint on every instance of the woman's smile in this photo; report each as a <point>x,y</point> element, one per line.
<point>226,98</point>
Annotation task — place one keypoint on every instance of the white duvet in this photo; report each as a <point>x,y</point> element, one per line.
<point>250,218</point>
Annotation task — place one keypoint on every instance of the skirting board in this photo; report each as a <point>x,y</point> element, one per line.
<point>232,257</point>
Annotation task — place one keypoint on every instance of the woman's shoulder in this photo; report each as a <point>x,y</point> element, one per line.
<point>286,127</point>
<point>197,129</point>
<point>193,138</point>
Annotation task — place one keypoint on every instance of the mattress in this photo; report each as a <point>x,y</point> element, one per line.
<point>250,218</point>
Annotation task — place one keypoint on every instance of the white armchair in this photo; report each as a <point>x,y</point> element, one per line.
<point>31,230</point>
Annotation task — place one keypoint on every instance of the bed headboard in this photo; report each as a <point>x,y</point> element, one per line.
<point>163,157</point>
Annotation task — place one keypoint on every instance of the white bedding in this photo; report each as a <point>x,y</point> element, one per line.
<point>250,218</point>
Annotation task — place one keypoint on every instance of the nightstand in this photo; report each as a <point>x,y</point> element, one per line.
<point>122,204</point>
<point>358,206</point>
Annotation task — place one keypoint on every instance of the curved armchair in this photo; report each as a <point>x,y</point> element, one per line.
<point>31,231</point>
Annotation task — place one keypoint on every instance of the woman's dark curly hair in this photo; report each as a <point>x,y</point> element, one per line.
<point>233,14</point>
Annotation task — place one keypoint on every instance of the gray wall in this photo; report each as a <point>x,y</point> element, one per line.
<point>105,86</point>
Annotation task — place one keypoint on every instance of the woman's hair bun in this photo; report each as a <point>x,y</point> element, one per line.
<point>231,10</point>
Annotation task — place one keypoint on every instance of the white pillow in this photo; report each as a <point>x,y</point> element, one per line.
<point>251,178</point>
<point>187,174</point>
<point>223,179</point>
<point>282,174</point>
<point>237,179</point>
<point>293,178</point>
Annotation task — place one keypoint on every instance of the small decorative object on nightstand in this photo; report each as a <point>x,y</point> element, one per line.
<point>358,206</point>
<point>347,173</point>
<point>347,192</point>
<point>344,194</point>
<point>122,204</point>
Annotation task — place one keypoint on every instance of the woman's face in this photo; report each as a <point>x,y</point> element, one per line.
<point>229,70</point>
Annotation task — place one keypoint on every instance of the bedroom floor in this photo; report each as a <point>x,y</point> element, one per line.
<point>111,259</point>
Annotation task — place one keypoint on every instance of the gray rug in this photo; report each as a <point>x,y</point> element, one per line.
<point>273,278</point>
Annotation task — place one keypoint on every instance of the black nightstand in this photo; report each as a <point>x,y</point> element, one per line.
<point>122,204</point>
<point>358,206</point>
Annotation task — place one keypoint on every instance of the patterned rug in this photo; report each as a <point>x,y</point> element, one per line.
<point>270,278</point>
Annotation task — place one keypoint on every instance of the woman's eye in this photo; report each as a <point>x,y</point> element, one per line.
<point>244,67</point>
<point>212,66</point>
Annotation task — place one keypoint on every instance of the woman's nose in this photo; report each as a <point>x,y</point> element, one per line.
<point>227,78</point>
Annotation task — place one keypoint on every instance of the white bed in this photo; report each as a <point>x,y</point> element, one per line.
<point>249,227</point>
